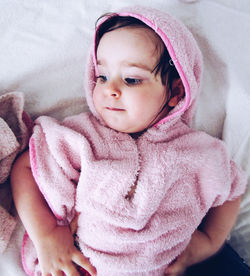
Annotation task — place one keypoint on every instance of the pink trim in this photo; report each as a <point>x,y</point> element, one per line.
<point>34,169</point>
<point>94,45</point>
<point>172,55</point>
<point>27,271</point>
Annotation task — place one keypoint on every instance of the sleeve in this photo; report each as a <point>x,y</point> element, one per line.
<point>227,180</point>
<point>235,188</point>
<point>55,164</point>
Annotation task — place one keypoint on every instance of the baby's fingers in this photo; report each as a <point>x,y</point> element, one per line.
<point>71,271</point>
<point>84,262</point>
<point>175,269</point>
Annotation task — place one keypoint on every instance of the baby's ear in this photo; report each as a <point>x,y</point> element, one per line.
<point>177,92</point>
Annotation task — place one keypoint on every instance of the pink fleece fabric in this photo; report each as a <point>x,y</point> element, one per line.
<point>15,130</point>
<point>180,173</point>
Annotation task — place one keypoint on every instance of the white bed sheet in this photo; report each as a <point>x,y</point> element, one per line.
<point>43,50</point>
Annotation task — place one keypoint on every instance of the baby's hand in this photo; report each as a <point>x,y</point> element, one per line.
<point>178,267</point>
<point>74,224</point>
<point>199,249</point>
<point>57,253</point>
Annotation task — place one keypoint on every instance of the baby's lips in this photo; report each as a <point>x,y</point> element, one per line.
<point>115,109</point>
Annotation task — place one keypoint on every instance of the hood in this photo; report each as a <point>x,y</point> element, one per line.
<point>183,50</point>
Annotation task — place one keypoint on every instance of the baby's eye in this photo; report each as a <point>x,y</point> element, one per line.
<point>101,78</point>
<point>132,81</point>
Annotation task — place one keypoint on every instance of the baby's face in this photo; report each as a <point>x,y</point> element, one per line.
<point>128,96</point>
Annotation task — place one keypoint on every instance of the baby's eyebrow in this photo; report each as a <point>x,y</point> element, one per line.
<point>138,65</point>
<point>130,64</point>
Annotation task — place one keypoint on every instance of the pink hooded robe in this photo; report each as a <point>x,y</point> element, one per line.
<point>82,165</point>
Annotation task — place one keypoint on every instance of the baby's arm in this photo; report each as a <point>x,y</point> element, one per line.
<point>206,241</point>
<point>54,244</point>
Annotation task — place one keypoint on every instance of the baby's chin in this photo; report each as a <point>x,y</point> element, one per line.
<point>129,129</point>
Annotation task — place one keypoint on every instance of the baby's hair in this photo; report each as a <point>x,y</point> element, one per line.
<point>165,66</point>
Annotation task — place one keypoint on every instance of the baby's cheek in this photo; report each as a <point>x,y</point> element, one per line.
<point>97,97</point>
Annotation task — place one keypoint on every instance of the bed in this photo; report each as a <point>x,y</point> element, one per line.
<point>43,50</point>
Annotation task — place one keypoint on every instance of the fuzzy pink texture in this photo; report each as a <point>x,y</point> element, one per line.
<point>180,173</point>
<point>15,130</point>
<point>7,226</point>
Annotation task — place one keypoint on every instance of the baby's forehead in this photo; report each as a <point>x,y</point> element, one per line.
<point>146,31</point>
<point>143,35</point>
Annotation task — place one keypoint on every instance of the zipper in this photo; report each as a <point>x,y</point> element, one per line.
<point>130,195</point>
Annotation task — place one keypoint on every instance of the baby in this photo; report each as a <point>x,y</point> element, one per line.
<point>138,177</point>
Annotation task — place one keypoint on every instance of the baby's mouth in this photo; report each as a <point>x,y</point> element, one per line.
<point>114,109</point>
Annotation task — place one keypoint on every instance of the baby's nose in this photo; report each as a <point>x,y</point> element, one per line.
<point>113,91</point>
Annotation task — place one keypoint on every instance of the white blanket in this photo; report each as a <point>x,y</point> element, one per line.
<point>43,49</point>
